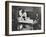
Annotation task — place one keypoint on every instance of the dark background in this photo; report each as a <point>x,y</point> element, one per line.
<point>31,11</point>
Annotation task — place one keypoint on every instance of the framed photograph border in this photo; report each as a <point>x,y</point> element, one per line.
<point>7,17</point>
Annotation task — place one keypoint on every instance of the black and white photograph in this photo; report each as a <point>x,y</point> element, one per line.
<point>25,18</point>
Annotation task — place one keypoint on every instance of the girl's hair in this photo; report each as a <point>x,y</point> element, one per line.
<point>22,11</point>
